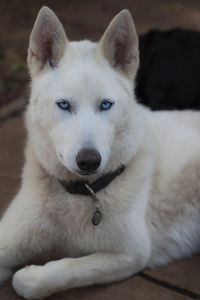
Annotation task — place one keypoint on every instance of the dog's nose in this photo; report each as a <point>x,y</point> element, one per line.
<point>88,160</point>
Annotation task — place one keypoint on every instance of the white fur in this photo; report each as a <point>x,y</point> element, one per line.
<point>151,212</point>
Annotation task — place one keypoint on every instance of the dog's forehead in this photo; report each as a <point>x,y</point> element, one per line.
<point>81,71</point>
<point>83,49</point>
<point>81,60</point>
<point>81,74</point>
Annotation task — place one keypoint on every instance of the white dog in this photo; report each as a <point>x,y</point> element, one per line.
<point>108,184</point>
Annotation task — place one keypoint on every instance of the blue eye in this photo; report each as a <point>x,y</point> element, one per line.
<point>105,105</point>
<point>64,105</point>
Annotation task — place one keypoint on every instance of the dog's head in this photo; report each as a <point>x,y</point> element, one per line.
<point>82,117</point>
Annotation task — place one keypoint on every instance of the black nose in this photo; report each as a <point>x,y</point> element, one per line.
<point>88,160</point>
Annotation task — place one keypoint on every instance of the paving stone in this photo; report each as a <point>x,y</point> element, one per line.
<point>12,136</point>
<point>8,189</point>
<point>134,288</point>
<point>184,273</point>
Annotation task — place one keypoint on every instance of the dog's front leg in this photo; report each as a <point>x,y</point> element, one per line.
<point>17,240</point>
<point>23,234</point>
<point>38,282</point>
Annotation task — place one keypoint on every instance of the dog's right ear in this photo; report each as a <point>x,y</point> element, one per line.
<point>119,44</point>
<point>47,42</point>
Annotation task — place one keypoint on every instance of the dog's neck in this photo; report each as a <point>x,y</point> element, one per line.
<point>79,186</point>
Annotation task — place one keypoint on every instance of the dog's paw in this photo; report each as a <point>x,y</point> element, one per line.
<point>5,274</point>
<point>29,283</point>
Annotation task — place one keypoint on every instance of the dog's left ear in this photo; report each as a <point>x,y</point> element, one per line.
<point>47,42</point>
<point>119,44</point>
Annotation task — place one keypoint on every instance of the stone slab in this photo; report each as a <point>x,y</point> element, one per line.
<point>184,273</point>
<point>12,136</point>
<point>134,288</point>
<point>8,189</point>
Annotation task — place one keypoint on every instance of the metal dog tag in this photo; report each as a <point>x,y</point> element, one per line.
<point>97,216</point>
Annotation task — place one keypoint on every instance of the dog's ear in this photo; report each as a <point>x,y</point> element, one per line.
<point>119,44</point>
<point>47,42</point>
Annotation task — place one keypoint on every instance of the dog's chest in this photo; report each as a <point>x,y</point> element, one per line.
<point>77,233</point>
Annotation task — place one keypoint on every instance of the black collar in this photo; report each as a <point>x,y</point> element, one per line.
<point>78,187</point>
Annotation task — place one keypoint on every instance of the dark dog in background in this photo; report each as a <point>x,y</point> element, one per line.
<point>169,73</point>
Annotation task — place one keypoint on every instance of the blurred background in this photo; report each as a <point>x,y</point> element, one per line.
<point>81,19</point>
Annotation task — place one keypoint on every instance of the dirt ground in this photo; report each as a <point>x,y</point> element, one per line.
<point>81,19</point>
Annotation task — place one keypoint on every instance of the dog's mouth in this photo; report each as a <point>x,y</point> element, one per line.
<point>84,173</point>
<point>87,175</point>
